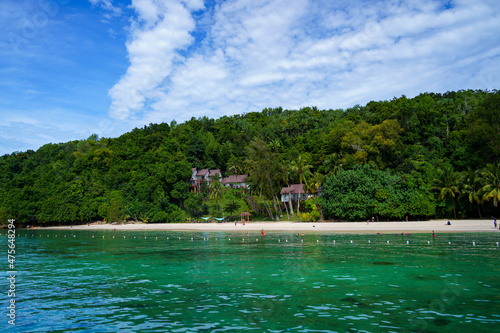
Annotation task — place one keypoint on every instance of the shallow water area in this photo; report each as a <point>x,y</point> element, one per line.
<point>158,281</point>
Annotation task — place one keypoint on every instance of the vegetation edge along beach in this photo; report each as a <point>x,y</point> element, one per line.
<point>434,156</point>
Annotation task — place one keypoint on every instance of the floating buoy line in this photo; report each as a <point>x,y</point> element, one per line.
<point>278,240</point>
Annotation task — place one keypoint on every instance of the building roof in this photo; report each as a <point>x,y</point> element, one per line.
<point>202,172</point>
<point>234,179</point>
<point>294,189</point>
<point>213,172</point>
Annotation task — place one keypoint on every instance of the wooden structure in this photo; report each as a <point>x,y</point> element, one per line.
<point>245,216</point>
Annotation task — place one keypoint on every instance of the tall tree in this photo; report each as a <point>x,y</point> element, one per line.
<point>235,166</point>
<point>491,188</point>
<point>287,174</point>
<point>315,182</point>
<point>232,202</point>
<point>332,164</point>
<point>302,168</point>
<point>447,184</point>
<point>195,205</point>
<point>265,171</point>
<point>472,188</point>
<point>216,190</point>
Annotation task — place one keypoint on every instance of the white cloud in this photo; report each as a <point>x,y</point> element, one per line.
<point>160,30</point>
<point>265,53</point>
<point>107,5</point>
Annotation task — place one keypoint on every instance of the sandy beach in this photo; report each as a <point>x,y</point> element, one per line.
<point>330,227</point>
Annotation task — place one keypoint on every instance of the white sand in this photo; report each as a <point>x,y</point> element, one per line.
<point>331,227</point>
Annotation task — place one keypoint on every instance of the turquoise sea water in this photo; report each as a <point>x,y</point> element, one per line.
<point>152,281</point>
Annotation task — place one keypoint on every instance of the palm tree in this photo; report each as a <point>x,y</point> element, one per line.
<point>471,186</point>
<point>216,190</point>
<point>232,205</point>
<point>302,168</point>
<point>332,164</point>
<point>235,166</point>
<point>447,185</point>
<point>275,145</point>
<point>288,172</point>
<point>491,188</point>
<point>315,182</point>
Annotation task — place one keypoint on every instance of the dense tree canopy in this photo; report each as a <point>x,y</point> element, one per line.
<point>365,191</point>
<point>433,155</point>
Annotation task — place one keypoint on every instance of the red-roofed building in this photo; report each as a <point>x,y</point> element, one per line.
<point>235,181</point>
<point>203,175</point>
<point>293,193</point>
<point>214,173</point>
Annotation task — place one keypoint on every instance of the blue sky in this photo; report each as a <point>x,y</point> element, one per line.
<point>70,68</point>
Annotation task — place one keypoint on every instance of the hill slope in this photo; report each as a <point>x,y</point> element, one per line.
<point>144,174</point>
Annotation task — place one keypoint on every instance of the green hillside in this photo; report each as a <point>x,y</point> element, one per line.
<point>435,155</point>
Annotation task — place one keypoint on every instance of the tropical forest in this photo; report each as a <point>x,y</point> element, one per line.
<point>432,156</point>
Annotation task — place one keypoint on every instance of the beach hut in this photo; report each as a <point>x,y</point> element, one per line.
<point>245,216</point>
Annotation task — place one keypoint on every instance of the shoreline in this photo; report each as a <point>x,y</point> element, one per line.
<point>463,226</point>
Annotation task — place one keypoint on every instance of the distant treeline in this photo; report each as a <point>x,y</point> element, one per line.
<point>435,155</point>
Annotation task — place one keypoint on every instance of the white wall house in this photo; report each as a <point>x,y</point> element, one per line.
<point>202,175</point>
<point>293,193</point>
<point>235,181</point>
